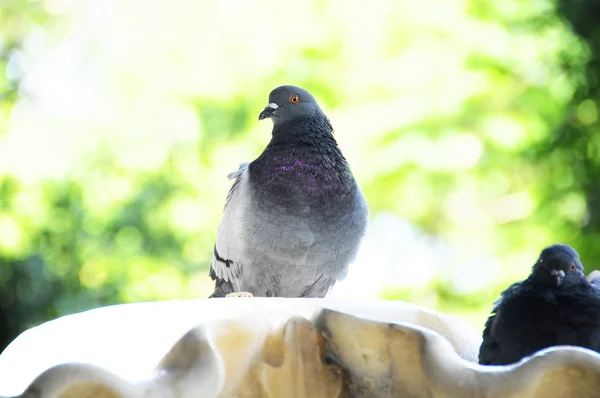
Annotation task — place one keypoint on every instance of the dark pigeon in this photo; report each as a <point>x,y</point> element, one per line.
<point>555,305</point>
<point>295,216</point>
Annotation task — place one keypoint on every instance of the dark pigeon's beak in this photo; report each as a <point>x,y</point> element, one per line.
<point>558,275</point>
<point>268,111</point>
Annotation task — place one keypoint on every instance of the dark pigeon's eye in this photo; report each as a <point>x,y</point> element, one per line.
<point>294,99</point>
<point>541,263</point>
<point>572,267</point>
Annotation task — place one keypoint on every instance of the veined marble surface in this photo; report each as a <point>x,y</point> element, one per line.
<point>276,347</point>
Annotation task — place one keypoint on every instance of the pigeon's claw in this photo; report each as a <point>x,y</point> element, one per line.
<point>239,294</point>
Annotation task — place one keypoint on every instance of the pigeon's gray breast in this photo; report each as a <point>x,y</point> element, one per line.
<point>292,245</point>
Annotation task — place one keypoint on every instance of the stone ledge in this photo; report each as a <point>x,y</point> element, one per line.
<point>268,347</point>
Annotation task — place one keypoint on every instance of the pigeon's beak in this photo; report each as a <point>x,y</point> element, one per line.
<point>268,111</point>
<point>558,275</point>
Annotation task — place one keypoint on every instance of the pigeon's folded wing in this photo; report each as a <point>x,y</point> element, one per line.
<point>227,261</point>
<point>594,279</point>
<point>490,349</point>
<point>506,293</point>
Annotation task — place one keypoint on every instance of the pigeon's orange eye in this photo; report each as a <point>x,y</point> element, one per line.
<point>572,267</point>
<point>294,99</point>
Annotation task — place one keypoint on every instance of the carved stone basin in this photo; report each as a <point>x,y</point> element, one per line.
<point>268,347</point>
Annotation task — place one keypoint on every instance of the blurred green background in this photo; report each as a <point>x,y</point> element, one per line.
<point>472,126</point>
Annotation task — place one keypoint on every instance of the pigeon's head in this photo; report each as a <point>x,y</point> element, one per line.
<point>557,263</point>
<point>287,102</point>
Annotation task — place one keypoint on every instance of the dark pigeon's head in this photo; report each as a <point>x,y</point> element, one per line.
<point>287,102</point>
<point>557,263</point>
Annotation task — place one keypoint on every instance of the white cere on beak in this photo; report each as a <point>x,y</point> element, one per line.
<point>273,105</point>
<point>555,272</point>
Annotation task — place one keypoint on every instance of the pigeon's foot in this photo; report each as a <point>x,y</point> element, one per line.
<point>239,294</point>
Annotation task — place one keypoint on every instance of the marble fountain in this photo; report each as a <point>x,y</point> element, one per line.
<point>275,347</point>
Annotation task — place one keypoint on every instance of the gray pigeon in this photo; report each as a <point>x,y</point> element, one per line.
<point>294,217</point>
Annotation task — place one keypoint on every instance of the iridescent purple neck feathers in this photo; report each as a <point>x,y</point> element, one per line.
<point>303,158</point>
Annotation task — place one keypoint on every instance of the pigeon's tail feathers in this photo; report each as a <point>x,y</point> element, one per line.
<point>222,287</point>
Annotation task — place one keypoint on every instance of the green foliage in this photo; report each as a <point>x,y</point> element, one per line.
<point>476,121</point>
